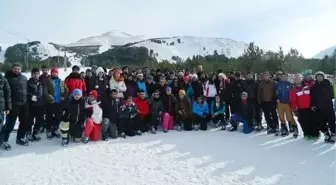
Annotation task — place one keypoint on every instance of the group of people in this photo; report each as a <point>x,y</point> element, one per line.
<point>100,104</point>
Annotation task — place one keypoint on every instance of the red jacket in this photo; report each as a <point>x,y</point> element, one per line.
<point>73,81</point>
<point>142,105</point>
<point>300,98</point>
<point>309,83</point>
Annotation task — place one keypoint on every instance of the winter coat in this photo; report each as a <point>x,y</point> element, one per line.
<point>251,87</point>
<point>300,98</point>
<point>131,89</point>
<point>189,92</point>
<point>220,109</point>
<point>246,110</point>
<point>18,86</point>
<point>74,81</point>
<point>5,94</point>
<point>90,83</point>
<point>209,90</point>
<point>141,85</point>
<point>35,88</point>
<point>142,105</point>
<point>150,88</point>
<point>266,91</point>
<point>120,86</point>
<point>129,112</point>
<point>235,90</point>
<point>54,91</point>
<point>184,105</point>
<point>282,91</point>
<point>102,87</point>
<point>74,111</point>
<point>201,110</point>
<point>321,95</point>
<point>169,104</point>
<point>111,109</point>
<point>161,89</point>
<point>96,112</point>
<point>309,83</point>
<point>222,89</point>
<point>197,88</point>
<point>156,107</point>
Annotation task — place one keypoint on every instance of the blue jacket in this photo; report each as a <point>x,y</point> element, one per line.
<point>200,109</point>
<point>282,91</point>
<point>142,86</point>
<point>57,93</point>
<point>219,110</point>
<point>189,91</point>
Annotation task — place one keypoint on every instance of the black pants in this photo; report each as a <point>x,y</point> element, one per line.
<point>187,122</point>
<point>308,122</point>
<point>218,118</point>
<point>53,116</point>
<point>76,129</point>
<point>110,128</point>
<point>271,115</point>
<point>257,109</point>
<point>154,121</point>
<point>326,119</point>
<point>36,118</point>
<point>126,126</point>
<point>141,123</point>
<point>20,111</point>
<point>1,119</point>
<point>200,120</point>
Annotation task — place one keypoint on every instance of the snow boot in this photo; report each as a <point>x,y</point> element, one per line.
<point>178,128</point>
<point>55,134</point>
<point>224,124</point>
<point>6,146</point>
<point>36,137</point>
<point>291,128</point>
<point>233,129</point>
<point>86,140</point>
<point>196,126</point>
<point>65,142</point>
<point>123,135</point>
<point>105,136</point>
<point>271,131</point>
<point>153,130</point>
<point>139,133</point>
<point>284,131</point>
<point>22,142</point>
<point>29,137</point>
<point>49,135</point>
<point>296,131</point>
<point>330,138</point>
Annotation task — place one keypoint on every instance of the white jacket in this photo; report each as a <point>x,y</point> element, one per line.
<point>209,90</point>
<point>120,86</point>
<point>97,112</point>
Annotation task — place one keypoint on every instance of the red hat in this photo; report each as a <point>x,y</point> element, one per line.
<point>186,78</point>
<point>94,93</point>
<point>54,70</point>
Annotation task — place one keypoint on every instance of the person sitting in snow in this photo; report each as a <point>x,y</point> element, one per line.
<point>217,111</point>
<point>184,112</point>
<point>200,110</point>
<point>244,114</point>
<point>93,123</point>
<point>156,109</point>
<point>127,114</point>
<point>169,104</point>
<point>73,118</point>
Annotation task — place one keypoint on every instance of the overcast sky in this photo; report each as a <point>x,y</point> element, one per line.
<point>308,25</point>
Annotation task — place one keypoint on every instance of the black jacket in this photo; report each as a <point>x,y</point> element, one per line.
<point>5,94</point>
<point>169,104</point>
<point>156,107</point>
<point>90,83</point>
<point>111,109</point>
<point>35,88</point>
<point>246,111</point>
<point>18,85</point>
<point>75,111</point>
<point>129,112</point>
<point>251,87</point>
<point>198,88</point>
<point>321,95</point>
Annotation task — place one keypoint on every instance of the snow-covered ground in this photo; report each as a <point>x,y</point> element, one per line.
<point>176,158</point>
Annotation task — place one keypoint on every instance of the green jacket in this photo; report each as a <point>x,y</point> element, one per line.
<point>335,90</point>
<point>49,91</point>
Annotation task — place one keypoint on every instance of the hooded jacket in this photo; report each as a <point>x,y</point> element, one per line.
<point>18,86</point>
<point>35,88</point>
<point>321,95</point>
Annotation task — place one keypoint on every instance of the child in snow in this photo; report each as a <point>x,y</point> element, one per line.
<point>169,105</point>
<point>93,123</point>
<point>73,118</point>
<point>200,110</point>
<point>156,109</point>
<point>126,116</point>
<point>244,114</point>
<point>184,112</point>
<point>110,114</point>
<point>217,111</point>
<point>141,124</point>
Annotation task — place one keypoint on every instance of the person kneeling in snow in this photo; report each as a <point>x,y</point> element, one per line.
<point>200,110</point>
<point>245,114</point>
<point>73,118</point>
<point>156,109</point>
<point>110,114</point>
<point>93,123</point>
<point>126,117</point>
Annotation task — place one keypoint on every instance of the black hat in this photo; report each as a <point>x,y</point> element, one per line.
<point>237,74</point>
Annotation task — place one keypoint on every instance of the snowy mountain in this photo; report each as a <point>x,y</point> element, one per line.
<point>167,47</point>
<point>327,51</point>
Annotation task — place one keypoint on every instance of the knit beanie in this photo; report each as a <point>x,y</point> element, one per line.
<point>168,89</point>
<point>181,92</point>
<point>54,70</point>
<point>94,93</point>
<point>77,92</point>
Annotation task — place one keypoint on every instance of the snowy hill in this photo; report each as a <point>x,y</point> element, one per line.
<point>167,47</point>
<point>327,51</point>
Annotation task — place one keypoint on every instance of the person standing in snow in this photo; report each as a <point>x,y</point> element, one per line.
<point>54,92</point>
<point>20,108</point>
<point>102,85</point>
<point>90,80</point>
<point>141,85</point>
<point>5,102</point>
<point>117,82</point>
<point>36,105</point>
<point>321,102</point>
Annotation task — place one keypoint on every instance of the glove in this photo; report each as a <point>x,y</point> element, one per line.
<point>34,98</point>
<point>97,87</point>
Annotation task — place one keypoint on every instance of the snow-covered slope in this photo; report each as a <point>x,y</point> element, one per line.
<point>106,40</point>
<point>327,51</point>
<point>167,47</point>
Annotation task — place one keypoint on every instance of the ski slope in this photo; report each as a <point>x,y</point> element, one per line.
<point>176,158</point>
